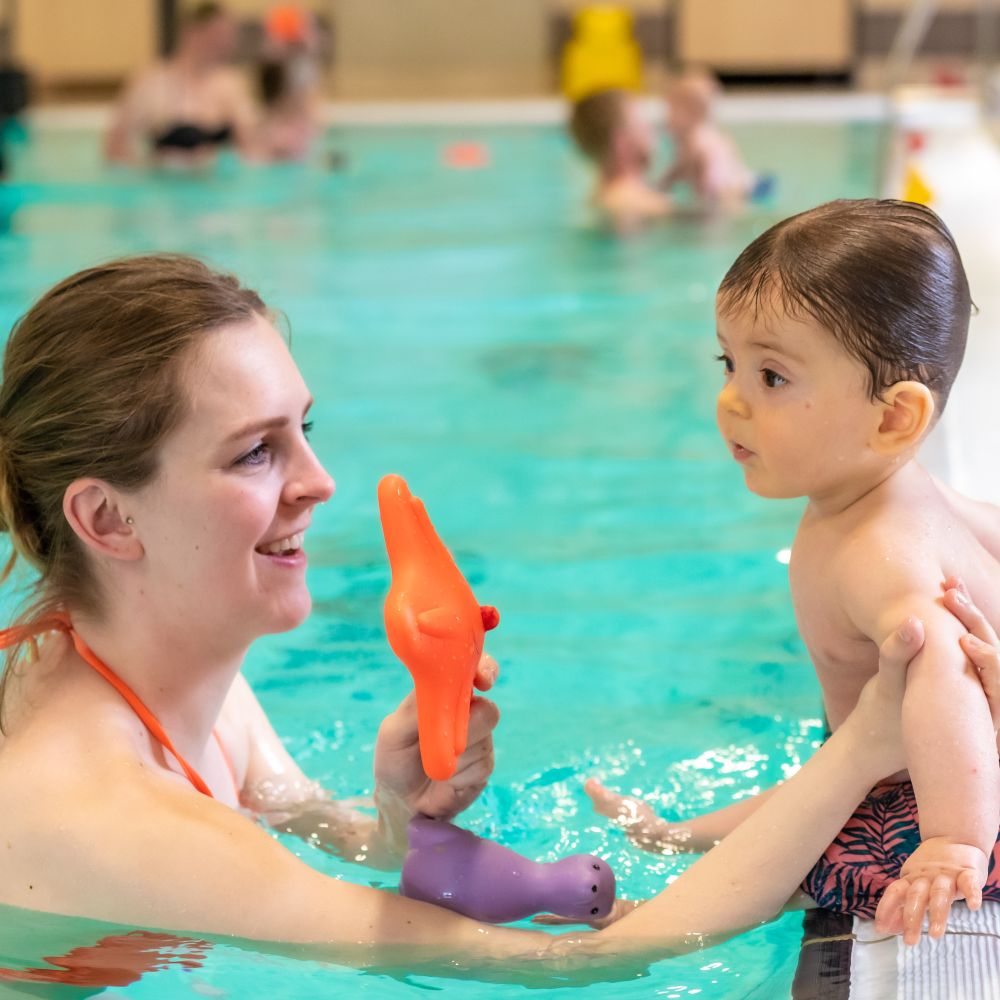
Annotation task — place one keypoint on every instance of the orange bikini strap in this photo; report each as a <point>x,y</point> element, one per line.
<point>61,623</point>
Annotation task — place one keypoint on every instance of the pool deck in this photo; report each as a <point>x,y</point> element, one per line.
<point>744,107</point>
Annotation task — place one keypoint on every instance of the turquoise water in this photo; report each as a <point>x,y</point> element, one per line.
<point>549,392</point>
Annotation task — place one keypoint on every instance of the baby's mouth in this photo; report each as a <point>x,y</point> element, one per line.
<point>282,546</point>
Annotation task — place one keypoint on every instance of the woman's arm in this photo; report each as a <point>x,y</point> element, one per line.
<point>277,789</point>
<point>174,860</point>
<point>170,859</point>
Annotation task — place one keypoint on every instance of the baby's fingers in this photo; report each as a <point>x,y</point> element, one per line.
<point>942,893</point>
<point>915,909</point>
<point>889,915</point>
<point>970,889</point>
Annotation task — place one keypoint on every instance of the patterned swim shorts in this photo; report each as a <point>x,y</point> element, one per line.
<point>869,852</point>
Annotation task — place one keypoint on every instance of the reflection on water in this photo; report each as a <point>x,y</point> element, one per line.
<point>50,956</point>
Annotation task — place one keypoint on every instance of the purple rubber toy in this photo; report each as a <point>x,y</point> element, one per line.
<point>460,871</point>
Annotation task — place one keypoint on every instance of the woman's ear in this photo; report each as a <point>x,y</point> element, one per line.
<point>94,513</point>
<point>906,411</point>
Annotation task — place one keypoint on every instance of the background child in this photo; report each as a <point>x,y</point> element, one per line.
<point>289,84</point>
<point>704,157</point>
<point>842,330</point>
<point>610,131</point>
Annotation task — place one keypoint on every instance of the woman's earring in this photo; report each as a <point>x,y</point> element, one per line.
<point>130,520</point>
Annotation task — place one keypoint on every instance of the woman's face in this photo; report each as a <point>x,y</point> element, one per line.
<point>223,521</point>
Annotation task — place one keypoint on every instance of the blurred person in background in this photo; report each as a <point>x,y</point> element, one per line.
<point>609,130</point>
<point>288,78</point>
<point>705,158</point>
<point>184,109</point>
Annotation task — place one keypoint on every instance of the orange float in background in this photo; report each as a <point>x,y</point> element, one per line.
<point>434,624</point>
<point>466,156</point>
<point>287,23</point>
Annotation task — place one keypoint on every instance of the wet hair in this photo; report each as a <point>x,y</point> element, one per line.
<point>883,276</point>
<point>594,121</point>
<point>93,381</point>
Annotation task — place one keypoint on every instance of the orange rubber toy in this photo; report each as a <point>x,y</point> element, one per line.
<point>434,624</point>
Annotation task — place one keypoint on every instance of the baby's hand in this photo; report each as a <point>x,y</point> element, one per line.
<point>636,818</point>
<point>938,872</point>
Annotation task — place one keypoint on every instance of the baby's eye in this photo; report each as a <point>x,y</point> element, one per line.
<point>257,455</point>
<point>727,362</point>
<point>772,379</point>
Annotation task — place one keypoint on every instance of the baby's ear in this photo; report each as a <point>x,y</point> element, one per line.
<point>905,414</point>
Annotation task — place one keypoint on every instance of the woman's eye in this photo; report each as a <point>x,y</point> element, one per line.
<point>257,455</point>
<point>307,426</point>
<point>772,379</point>
<point>726,362</point>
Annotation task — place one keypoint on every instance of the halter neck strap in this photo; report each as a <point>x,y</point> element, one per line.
<point>62,623</point>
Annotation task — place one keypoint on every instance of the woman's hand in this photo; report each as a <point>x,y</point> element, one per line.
<point>401,786</point>
<point>980,643</point>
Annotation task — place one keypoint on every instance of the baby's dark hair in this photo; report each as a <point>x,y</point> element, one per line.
<point>594,121</point>
<point>883,276</point>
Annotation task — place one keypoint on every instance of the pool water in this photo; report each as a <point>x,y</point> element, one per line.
<point>549,391</point>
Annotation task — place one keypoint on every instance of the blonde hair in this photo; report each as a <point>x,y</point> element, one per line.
<point>696,87</point>
<point>92,383</point>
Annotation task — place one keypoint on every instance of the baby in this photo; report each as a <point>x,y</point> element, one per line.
<point>610,131</point>
<point>841,332</point>
<point>704,157</point>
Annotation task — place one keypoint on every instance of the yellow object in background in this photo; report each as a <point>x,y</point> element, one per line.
<point>915,188</point>
<point>602,54</point>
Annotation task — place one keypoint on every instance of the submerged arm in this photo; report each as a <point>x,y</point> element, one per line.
<point>653,833</point>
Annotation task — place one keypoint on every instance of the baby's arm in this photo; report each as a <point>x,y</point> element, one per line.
<point>661,836</point>
<point>948,734</point>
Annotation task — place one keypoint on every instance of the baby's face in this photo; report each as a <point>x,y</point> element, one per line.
<point>637,136</point>
<point>794,408</point>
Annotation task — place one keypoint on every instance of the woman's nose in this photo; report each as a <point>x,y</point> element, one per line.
<point>312,484</point>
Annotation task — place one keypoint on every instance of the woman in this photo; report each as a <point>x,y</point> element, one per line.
<point>155,471</point>
<point>184,109</point>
